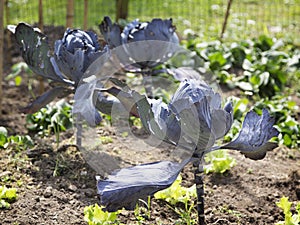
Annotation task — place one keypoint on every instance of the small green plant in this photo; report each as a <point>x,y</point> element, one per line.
<point>141,213</point>
<point>16,74</point>
<point>94,215</point>
<point>106,140</point>
<point>137,214</point>
<point>175,194</point>
<point>7,196</point>
<point>219,162</point>
<point>19,142</point>
<point>289,218</point>
<point>51,119</point>
<point>60,165</point>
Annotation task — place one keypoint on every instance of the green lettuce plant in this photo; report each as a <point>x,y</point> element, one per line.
<point>7,196</point>
<point>289,218</point>
<point>94,215</point>
<point>175,194</point>
<point>19,142</point>
<point>219,162</point>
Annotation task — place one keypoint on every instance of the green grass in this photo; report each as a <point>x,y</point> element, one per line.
<point>248,17</point>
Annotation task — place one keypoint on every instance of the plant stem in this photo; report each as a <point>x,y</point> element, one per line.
<point>200,191</point>
<point>56,132</point>
<point>147,82</point>
<point>78,123</point>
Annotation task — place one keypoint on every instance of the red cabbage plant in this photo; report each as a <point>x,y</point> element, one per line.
<point>64,67</point>
<point>143,35</point>
<point>193,120</point>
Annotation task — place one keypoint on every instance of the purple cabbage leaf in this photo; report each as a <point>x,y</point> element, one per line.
<point>125,187</point>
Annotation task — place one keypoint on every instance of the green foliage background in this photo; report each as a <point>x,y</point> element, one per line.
<point>248,18</point>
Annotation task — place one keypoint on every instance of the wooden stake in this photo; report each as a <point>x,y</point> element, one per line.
<point>8,34</point>
<point>85,15</point>
<point>121,9</point>
<point>1,49</point>
<point>41,27</point>
<point>226,18</point>
<point>41,19</point>
<point>70,13</point>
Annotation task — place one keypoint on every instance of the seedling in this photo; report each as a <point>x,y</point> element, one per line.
<point>51,119</point>
<point>175,194</point>
<point>106,140</point>
<point>7,196</point>
<point>19,142</point>
<point>146,212</point>
<point>289,218</point>
<point>220,162</point>
<point>94,215</point>
<point>16,75</point>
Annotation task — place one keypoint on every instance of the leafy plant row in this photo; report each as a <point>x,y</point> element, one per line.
<point>262,66</point>
<point>174,196</point>
<point>19,142</point>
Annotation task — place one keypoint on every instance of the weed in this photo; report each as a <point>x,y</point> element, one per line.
<point>141,213</point>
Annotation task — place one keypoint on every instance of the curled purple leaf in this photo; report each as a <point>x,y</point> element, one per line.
<point>125,187</point>
<point>252,140</point>
<point>35,51</point>
<point>76,51</point>
<point>199,111</point>
<point>111,32</point>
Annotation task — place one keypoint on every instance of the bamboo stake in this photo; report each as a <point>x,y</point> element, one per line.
<point>1,49</point>
<point>70,13</point>
<point>226,18</point>
<point>85,15</point>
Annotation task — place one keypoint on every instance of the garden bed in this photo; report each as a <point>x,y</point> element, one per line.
<point>244,195</point>
<point>54,182</point>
